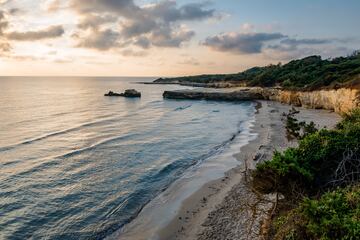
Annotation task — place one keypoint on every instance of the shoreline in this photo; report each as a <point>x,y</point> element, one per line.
<point>195,210</point>
<point>219,209</point>
<point>156,214</point>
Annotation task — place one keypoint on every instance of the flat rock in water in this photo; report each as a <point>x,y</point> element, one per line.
<point>215,94</point>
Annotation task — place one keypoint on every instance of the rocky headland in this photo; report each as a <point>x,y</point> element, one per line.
<point>340,100</point>
<point>235,207</point>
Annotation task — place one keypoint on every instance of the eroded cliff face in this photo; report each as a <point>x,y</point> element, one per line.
<point>340,100</point>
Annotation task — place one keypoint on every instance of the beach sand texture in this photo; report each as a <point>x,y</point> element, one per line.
<point>228,208</point>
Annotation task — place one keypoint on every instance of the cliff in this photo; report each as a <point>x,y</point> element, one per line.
<point>339,100</point>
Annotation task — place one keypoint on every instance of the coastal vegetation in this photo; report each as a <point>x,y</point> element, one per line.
<point>308,73</point>
<point>296,129</point>
<point>333,215</point>
<point>320,182</point>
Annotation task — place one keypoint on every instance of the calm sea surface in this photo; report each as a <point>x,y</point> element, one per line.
<point>77,165</point>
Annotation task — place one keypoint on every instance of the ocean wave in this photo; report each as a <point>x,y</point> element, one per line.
<point>93,146</point>
<point>182,108</point>
<point>52,161</point>
<point>167,175</point>
<point>53,134</point>
<point>80,127</point>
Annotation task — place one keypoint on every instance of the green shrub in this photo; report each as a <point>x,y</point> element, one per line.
<point>350,120</point>
<point>314,162</point>
<point>296,129</point>
<point>335,215</point>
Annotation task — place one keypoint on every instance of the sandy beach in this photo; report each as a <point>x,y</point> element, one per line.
<point>228,208</point>
<point>208,204</point>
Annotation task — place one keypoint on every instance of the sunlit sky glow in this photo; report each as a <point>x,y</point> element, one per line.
<point>169,38</point>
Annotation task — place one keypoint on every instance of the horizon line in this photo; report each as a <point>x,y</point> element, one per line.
<point>1,76</point>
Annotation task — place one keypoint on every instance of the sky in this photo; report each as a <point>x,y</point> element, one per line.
<point>168,37</point>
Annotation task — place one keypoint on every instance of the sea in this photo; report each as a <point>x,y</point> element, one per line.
<point>75,164</point>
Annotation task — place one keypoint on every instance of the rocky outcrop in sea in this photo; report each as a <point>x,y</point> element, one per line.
<point>129,93</point>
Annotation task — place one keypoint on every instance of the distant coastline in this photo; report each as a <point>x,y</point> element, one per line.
<point>309,82</point>
<point>309,73</point>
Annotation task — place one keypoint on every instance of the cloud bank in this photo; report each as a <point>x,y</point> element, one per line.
<point>153,25</point>
<point>131,28</point>
<point>242,43</point>
<point>6,35</point>
<point>276,45</point>
<point>50,32</point>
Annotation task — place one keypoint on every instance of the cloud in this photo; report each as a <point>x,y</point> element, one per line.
<point>292,44</point>
<point>241,43</point>
<point>50,32</point>
<point>190,61</point>
<point>306,41</point>
<point>4,2</point>
<point>143,42</point>
<point>126,8</point>
<point>98,39</point>
<point>166,10</point>
<point>167,37</point>
<point>53,6</point>
<point>138,27</point>
<point>63,60</point>
<point>247,27</point>
<point>25,57</point>
<point>7,36</point>
<point>274,45</point>
<point>15,11</point>
<point>3,22</point>
<point>132,53</point>
<point>169,12</point>
<point>4,47</point>
<point>95,21</point>
<point>157,24</point>
<point>326,51</point>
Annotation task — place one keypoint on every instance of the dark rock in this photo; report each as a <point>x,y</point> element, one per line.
<point>113,94</point>
<point>129,93</point>
<point>132,93</point>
